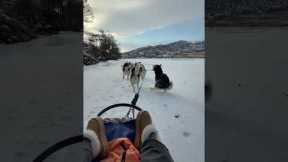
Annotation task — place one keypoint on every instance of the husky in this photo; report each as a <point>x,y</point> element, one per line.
<point>162,81</point>
<point>126,69</point>
<point>137,74</point>
<point>140,70</point>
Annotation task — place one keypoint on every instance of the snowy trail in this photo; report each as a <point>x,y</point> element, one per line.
<point>178,114</point>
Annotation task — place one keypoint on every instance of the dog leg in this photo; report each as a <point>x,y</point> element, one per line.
<point>128,74</point>
<point>143,75</point>
<point>133,87</point>
<point>138,85</point>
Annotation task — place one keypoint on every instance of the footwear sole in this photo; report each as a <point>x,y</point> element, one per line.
<point>141,116</point>
<point>138,133</point>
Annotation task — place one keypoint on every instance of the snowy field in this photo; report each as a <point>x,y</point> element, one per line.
<point>178,114</point>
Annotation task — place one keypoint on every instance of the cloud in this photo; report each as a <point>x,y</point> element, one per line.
<point>189,31</point>
<point>131,17</point>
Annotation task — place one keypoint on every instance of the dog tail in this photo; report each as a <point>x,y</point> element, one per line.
<point>170,85</point>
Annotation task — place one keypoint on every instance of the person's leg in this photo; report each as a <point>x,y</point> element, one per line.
<point>154,151</point>
<point>148,141</point>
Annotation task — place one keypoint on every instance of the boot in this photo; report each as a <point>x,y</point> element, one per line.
<point>144,129</point>
<point>96,133</point>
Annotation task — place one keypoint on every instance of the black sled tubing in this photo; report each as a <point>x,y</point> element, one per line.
<point>59,145</point>
<point>118,105</point>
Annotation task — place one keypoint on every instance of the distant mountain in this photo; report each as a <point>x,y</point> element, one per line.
<point>179,49</point>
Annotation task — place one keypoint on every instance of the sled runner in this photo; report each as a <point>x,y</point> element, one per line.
<point>119,132</point>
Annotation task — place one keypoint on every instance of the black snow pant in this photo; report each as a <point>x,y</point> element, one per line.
<point>154,151</point>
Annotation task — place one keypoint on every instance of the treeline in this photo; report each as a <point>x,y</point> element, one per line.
<point>23,20</point>
<point>100,47</point>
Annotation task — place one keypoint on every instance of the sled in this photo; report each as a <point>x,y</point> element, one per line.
<point>116,128</point>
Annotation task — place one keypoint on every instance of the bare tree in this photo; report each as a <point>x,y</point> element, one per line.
<point>87,12</point>
<point>102,46</point>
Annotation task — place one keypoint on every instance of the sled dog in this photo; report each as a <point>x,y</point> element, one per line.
<point>162,81</point>
<point>137,74</point>
<point>126,69</point>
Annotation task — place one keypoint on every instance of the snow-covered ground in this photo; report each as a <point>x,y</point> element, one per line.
<point>178,114</point>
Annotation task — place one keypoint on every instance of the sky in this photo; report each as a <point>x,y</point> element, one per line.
<point>138,23</point>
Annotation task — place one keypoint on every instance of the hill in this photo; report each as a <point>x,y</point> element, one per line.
<point>178,49</point>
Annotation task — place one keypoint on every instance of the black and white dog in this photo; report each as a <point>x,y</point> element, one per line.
<point>137,74</point>
<point>161,79</point>
<point>126,68</point>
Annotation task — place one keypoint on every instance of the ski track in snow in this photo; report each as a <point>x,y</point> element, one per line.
<point>178,114</point>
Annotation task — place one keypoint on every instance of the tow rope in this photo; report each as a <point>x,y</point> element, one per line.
<point>134,101</point>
